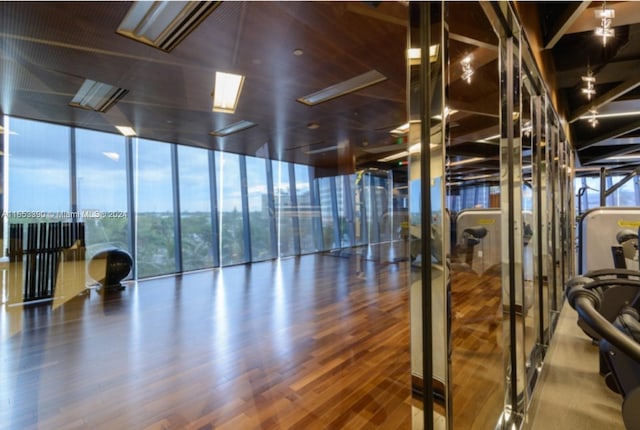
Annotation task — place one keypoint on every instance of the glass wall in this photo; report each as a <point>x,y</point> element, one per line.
<point>260,209</point>
<point>39,171</point>
<point>177,208</point>
<point>195,208</point>
<point>231,211</point>
<point>307,212</point>
<point>155,240</point>
<point>284,210</point>
<point>587,190</point>
<point>101,176</point>
<point>329,212</point>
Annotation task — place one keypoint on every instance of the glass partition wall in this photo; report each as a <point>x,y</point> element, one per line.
<point>487,297</point>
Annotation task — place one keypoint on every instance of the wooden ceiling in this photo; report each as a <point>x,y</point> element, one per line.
<point>47,49</point>
<point>568,31</point>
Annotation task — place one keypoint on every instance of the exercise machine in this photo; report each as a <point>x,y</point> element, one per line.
<point>619,344</point>
<point>617,288</point>
<point>626,250</point>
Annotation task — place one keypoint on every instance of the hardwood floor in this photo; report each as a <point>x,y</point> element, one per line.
<point>477,366</point>
<point>316,342</point>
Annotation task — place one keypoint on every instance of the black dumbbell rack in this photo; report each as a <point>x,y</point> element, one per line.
<point>34,259</point>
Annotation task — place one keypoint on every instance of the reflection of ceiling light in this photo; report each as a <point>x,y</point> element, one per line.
<point>233,128</point>
<point>606,16</point>
<point>414,54</point>
<point>413,149</point>
<point>613,115</point>
<point>394,157</point>
<point>488,140</point>
<point>97,96</point>
<point>593,119</point>
<point>3,131</point>
<point>350,85</point>
<point>623,158</point>
<point>164,24</point>
<point>125,130</point>
<point>226,92</point>
<point>590,81</point>
<point>465,161</point>
<point>112,156</point>
<point>467,70</point>
<point>313,126</point>
<point>400,130</point>
<point>325,149</point>
<point>447,113</point>
<point>471,178</point>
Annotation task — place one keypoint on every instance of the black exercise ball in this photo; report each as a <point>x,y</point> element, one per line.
<point>110,266</point>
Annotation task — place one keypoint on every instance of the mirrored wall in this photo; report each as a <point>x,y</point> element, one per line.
<point>490,195</point>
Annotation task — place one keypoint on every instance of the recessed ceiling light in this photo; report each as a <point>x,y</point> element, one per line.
<point>97,96</point>
<point>350,85</point>
<point>226,92</point>
<point>164,24</point>
<point>125,130</point>
<point>298,52</point>
<point>313,126</point>
<point>233,128</point>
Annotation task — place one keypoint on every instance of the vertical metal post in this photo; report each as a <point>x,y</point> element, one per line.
<point>246,226</point>
<point>314,201</point>
<point>425,211</point>
<point>177,221</point>
<point>603,187</point>
<point>334,212</point>
<point>73,175</point>
<point>213,196</point>
<point>131,200</point>
<point>295,214</point>
<point>349,210</point>
<point>273,224</point>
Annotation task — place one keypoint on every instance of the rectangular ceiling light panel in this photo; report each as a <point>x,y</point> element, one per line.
<point>233,128</point>
<point>164,24</point>
<point>97,96</point>
<point>226,92</point>
<point>354,84</point>
<point>126,130</point>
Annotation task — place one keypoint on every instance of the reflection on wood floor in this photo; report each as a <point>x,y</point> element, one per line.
<point>315,342</point>
<point>477,367</point>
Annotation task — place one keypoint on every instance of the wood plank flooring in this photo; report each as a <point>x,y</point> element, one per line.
<point>316,342</point>
<point>477,366</point>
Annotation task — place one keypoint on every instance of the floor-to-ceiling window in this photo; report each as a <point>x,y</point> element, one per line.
<point>195,208</point>
<point>282,194</point>
<point>326,187</point>
<point>260,206</point>
<point>39,171</point>
<point>306,210</point>
<point>231,212</point>
<point>101,176</point>
<point>154,209</point>
<point>251,209</point>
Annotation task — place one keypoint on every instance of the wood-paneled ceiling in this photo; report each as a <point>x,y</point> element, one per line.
<point>568,30</point>
<point>47,49</point>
